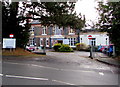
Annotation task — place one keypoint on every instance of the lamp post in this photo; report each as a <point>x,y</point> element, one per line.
<point>51,26</point>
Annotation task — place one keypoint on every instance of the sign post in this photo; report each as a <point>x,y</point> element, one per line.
<point>11,36</point>
<point>9,42</point>
<point>91,48</point>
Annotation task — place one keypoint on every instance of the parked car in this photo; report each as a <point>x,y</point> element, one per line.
<point>102,48</point>
<point>31,48</point>
<point>110,50</point>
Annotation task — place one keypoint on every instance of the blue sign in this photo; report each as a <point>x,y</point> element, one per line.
<point>58,38</point>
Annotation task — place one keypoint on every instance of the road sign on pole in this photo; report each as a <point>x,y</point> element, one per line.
<point>90,37</point>
<point>11,35</point>
<point>91,48</point>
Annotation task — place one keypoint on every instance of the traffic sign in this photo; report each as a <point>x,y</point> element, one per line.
<point>11,35</point>
<point>89,37</point>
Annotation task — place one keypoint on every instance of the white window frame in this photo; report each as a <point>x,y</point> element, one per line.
<point>44,30</point>
<point>32,30</point>
<point>31,41</point>
<point>47,42</point>
<point>106,41</point>
<point>81,40</point>
<point>93,41</point>
<point>72,42</point>
<point>41,40</point>
<point>71,32</point>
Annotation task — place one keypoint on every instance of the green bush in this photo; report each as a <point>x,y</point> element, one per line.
<point>65,48</point>
<point>56,46</point>
<point>81,46</point>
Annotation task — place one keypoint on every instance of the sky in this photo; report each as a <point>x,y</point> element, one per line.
<point>87,8</point>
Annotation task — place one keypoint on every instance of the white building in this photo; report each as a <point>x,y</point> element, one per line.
<point>98,38</point>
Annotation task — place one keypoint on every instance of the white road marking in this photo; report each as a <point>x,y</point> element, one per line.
<point>16,63</point>
<point>34,78</point>
<point>44,67</point>
<point>101,73</point>
<point>63,82</point>
<point>1,74</point>
<point>112,71</point>
<point>76,70</point>
<point>24,77</point>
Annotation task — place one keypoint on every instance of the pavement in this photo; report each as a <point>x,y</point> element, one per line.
<point>101,57</point>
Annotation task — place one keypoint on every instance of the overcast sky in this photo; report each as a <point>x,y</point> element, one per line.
<point>87,8</point>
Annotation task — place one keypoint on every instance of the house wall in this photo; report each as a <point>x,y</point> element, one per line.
<point>60,34</point>
<point>100,39</point>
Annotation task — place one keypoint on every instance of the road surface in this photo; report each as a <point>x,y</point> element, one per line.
<point>58,69</point>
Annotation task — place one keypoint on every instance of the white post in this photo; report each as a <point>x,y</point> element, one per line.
<point>113,51</point>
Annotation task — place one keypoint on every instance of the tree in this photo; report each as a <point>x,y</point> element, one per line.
<point>63,15</point>
<point>57,13</point>
<point>11,23</point>
<point>79,23</point>
<point>109,21</point>
<point>17,18</point>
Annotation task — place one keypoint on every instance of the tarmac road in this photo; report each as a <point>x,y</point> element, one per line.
<point>58,69</point>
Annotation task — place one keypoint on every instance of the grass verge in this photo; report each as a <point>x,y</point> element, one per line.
<point>18,52</point>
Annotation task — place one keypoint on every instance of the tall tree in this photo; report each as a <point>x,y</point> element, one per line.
<point>63,15</point>
<point>11,23</point>
<point>17,18</point>
<point>79,23</point>
<point>109,21</point>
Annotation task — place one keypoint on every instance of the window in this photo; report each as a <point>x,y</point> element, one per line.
<point>32,30</point>
<point>72,41</point>
<point>31,41</point>
<point>81,40</point>
<point>93,41</point>
<point>47,42</point>
<point>41,41</point>
<point>57,30</point>
<point>71,32</point>
<point>44,31</point>
<point>106,40</point>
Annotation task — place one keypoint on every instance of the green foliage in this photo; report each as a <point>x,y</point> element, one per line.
<point>56,13</point>
<point>10,24</point>
<point>57,46</point>
<point>109,21</point>
<point>81,46</point>
<point>62,48</point>
<point>65,48</point>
